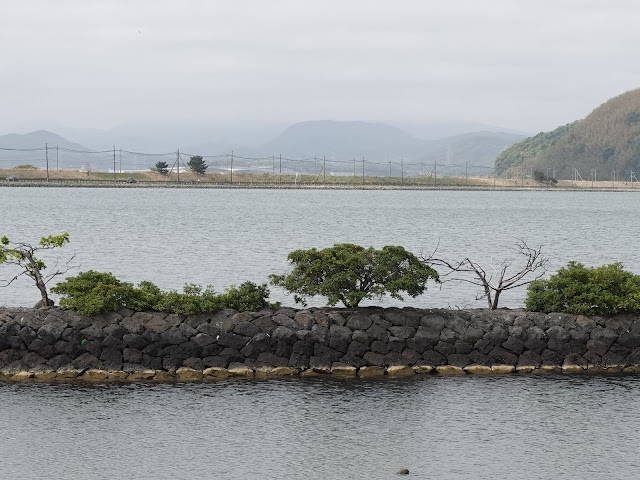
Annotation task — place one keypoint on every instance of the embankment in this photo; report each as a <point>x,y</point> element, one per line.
<point>53,344</point>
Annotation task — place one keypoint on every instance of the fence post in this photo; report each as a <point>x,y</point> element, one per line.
<point>46,154</point>
<point>324,168</point>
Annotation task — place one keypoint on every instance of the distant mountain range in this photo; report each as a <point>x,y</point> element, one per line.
<point>603,144</point>
<point>382,146</point>
<point>37,139</point>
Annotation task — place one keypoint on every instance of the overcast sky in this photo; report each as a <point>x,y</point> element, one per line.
<point>527,65</point>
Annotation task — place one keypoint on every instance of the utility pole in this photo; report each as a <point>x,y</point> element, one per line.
<point>121,161</point>
<point>46,154</point>
<point>354,167</point>
<point>435,173</point>
<point>402,170</point>
<point>114,164</point>
<point>315,166</point>
<point>231,167</point>
<point>280,168</point>
<point>389,168</point>
<point>178,162</point>
<point>273,165</point>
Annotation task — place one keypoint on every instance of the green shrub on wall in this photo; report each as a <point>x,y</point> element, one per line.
<point>604,290</point>
<point>92,293</point>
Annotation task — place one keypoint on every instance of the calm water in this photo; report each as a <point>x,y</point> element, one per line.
<point>569,427</point>
<point>577,427</point>
<point>225,237</point>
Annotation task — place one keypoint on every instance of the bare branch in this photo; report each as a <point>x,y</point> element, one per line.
<point>497,281</point>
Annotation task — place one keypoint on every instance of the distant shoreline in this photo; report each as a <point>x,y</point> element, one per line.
<point>239,180</point>
<point>299,186</point>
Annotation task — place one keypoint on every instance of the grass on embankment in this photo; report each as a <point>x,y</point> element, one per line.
<point>243,177</point>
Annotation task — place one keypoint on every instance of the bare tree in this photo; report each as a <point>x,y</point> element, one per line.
<point>495,280</point>
<point>23,255</point>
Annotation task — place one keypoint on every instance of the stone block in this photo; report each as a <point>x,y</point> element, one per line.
<point>478,369</point>
<point>343,370</point>
<point>240,370</point>
<point>400,371</point>
<point>358,321</point>
<point>503,369</point>
<point>449,370</point>
<point>422,369</point>
<point>187,374</point>
<point>369,371</point>
<point>215,372</point>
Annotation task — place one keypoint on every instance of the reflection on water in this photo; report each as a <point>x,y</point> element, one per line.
<point>570,427</point>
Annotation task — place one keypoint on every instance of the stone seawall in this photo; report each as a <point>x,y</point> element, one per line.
<point>53,344</point>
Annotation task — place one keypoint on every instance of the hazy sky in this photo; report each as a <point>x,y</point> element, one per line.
<point>528,65</point>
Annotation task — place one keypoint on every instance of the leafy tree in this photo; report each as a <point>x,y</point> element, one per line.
<point>197,165</point>
<point>604,290</point>
<point>540,177</point>
<point>162,167</point>
<point>350,273</point>
<point>25,256</point>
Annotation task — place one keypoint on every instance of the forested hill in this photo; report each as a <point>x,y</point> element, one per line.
<point>607,140</point>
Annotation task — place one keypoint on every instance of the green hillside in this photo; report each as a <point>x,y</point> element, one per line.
<point>606,141</point>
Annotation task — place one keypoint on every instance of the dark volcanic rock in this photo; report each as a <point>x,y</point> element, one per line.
<point>232,340</point>
<point>86,361</point>
<point>315,338</point>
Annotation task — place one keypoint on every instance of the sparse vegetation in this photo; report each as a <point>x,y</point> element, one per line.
<point>92,293</point>
<point>514,156</point>
<point>606,141</point>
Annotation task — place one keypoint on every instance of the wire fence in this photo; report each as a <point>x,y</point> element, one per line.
<point>319,169</point>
